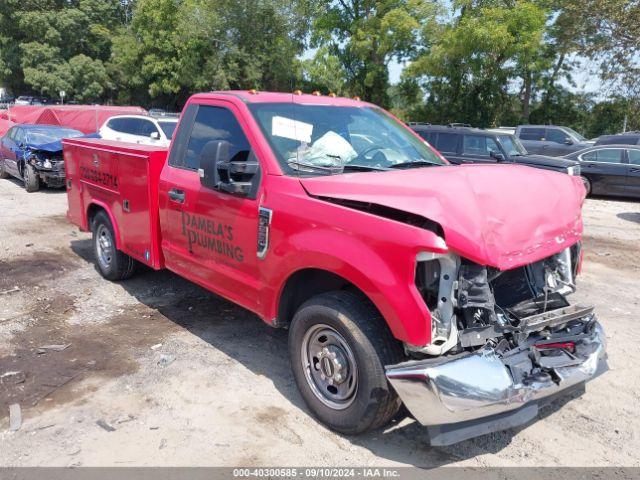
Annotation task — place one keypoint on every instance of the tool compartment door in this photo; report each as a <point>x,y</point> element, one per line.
<point>134,205</point>
<point>75,208</point>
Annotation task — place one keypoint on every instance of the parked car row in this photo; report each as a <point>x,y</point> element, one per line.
<point>33,153</point>
<point>608,167</point>
<point>472,145</point>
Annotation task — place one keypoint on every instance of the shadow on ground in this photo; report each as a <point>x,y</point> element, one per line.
<point>263,350</point>
<point>43,188</point>
<point>629,216</point>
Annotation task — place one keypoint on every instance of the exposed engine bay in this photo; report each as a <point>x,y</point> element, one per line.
<point>475,306</point>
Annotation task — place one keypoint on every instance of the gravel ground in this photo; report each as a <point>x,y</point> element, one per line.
<point>157,371</point>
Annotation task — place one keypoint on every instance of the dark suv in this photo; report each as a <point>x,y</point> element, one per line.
<point>473,145</point>
<point>551,140</point>
<point>629,138</point>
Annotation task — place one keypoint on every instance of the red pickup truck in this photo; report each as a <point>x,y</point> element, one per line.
<point>401,278</point>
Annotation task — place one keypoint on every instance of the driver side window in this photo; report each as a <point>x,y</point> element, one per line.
<point>557,136</point>
<point>478,145</point>
<point>215,123</point>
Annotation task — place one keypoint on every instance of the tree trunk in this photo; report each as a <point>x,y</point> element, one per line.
<point>526,97</point>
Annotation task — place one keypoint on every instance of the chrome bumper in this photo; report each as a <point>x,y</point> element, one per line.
<point>480,385</point>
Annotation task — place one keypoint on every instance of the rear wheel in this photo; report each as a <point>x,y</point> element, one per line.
<point>587,185</point>
<point>3,171</point>
<point>31,179</point>
<point>338,347</point>
<point>112,263</point>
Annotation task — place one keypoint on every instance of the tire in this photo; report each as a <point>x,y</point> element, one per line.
<point>357,335</point>
<point>31,180</point>
<point>111,262</point>
<point>587,185</point>
<point>3,172</point>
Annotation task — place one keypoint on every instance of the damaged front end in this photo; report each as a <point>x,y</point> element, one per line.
<point>502,341</point>
<point>49,166</point>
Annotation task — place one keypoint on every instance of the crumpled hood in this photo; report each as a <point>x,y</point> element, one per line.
<point>498,215</point>
<point>52,147</point>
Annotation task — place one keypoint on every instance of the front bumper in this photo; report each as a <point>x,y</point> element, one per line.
<point>53,177</point>
<point>442,392</point>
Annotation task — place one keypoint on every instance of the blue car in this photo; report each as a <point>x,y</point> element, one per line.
<point>33,154</point>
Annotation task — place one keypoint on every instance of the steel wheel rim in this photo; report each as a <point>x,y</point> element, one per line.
<point>329,366</point>
<point>104,247</point>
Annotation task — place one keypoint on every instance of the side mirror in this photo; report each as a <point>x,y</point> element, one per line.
<point>213,153</point>
<point>568,141</point>
<point>220,171</point>
<point>497,156</point>
<point>155,136</point>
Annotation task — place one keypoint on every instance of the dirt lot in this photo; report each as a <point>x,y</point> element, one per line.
<point>182,377</point>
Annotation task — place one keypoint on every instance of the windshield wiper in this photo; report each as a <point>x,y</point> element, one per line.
<point>363,168</point>
<point>414,163</point>
<point>318,168</point>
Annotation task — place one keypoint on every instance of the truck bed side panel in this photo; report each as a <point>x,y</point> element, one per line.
<point>123,180</point>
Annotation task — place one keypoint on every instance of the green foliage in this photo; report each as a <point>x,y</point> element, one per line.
<point>363,37</point>
<point>475,58</point>
<point>172,49</point>
<point>484,62</point>
<point>45,45</point>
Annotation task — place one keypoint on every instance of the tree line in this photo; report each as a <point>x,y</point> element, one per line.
<point>483,62</point>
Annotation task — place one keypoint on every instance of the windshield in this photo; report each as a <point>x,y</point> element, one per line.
<point>168,128</point>
<point>512,145</point>
<point>575,134</point>
<point>39,136</point>
<point>323,139</point>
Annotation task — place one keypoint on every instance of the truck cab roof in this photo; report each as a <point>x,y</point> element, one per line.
<point>254,96</point>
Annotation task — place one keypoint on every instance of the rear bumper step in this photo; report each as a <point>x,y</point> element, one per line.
<point>481,386</point>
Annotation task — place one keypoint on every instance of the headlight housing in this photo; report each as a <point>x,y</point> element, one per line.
<point>436,275</point>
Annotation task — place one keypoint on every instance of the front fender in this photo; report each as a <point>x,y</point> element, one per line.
<point>387,282</point>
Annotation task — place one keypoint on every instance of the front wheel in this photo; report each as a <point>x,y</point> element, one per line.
<point>338,347</point>
<point>31,179</point>
<point>112,263</point>
<point>587,185</point>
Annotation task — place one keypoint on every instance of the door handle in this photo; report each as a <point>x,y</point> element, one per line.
<point>176,195</point>
<point>634,170</point>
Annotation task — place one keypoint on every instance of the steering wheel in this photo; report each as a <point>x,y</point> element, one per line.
<point>363,155</point>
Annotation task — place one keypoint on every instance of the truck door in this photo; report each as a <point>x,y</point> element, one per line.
<point>209,236</point>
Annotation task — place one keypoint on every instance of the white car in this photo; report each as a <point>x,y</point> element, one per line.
<point>139,129</point>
